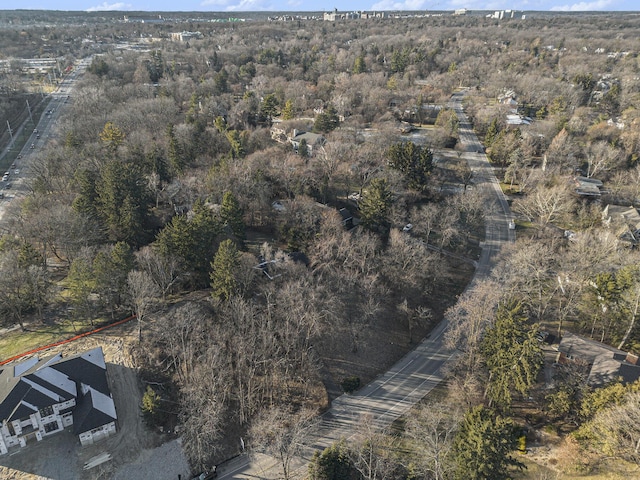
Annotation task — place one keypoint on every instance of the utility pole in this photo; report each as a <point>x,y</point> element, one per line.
<point>560,310</point>
<point>10,133</point>
<point>29,108</point>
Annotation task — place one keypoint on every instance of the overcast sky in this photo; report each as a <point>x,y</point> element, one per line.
<point>320,5</point>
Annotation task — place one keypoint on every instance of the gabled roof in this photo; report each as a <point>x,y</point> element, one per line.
<point>626,219</point>
<point>21,368</point>
<point>627,214</point>
<point>93,410</point>
<point>575,346</point>
<point>87,368</point>
<point>588,186</point>
<point>20,383</point>
<point>310,137</point>
<point>22,410</point>
<point>607,363</point>
<point>54,380</point>
<point>33,384</point>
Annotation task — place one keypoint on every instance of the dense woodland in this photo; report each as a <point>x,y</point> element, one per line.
<point>157,197</point>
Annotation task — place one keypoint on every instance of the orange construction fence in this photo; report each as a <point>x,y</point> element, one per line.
<point>68,340</point>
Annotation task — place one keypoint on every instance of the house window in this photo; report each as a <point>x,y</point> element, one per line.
<point>50,427</point>
<point>46,411</point>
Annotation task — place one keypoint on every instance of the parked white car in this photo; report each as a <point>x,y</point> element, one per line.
<point>278,207</point>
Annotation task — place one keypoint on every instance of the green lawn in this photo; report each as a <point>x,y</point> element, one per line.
<point>37,334</point>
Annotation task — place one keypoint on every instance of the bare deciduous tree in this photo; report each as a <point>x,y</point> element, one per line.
<point>142,292</point>
<point>203,409</point>
<point>165,270</point>
<point>371,450</point>
<point>432,430</point>
<point>281,433</point>
<point>528,271</point>
<point>616,430</point>
<point>469,317</point>
<point>545,204</point>
<point>601,157</point>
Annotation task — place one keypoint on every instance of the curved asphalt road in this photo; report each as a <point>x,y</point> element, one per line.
<point>414,376</point>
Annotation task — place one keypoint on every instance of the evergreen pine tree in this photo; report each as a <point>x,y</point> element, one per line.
<point>482,447</point>
<point>225,262</point>
<point>231,214</point>
<point>376,205</point>
<point>288,112</point>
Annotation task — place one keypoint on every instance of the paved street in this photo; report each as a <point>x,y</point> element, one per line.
<point>413,377</point>
<point>131,452</point>
<point>55,104</point>
<point>497,211</point>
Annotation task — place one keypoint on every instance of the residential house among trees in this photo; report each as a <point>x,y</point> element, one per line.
<point>625,221</point>
<point>587,186</point>
<point>296,138</point>
<point>312,140</point>
<point>606,364</point>
<point>40,397</point>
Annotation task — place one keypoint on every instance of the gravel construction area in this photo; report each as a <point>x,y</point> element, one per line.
<point>134,452</point>
<point>166,461</point>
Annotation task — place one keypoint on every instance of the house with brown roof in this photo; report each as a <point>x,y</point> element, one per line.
<point>587,186</point>
<point>41,397</point>
<point>625,221</point>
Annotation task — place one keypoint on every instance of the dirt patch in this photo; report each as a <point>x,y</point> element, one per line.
<point>62,457</point>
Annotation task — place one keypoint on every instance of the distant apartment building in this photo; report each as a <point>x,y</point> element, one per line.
<point>151,19</point>
<point>506,14</point>
<point>335,15</point>
<point>186,36</point>
<point>31,66</point>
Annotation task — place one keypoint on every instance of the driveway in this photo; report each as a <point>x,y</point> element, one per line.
<point>135,451</point>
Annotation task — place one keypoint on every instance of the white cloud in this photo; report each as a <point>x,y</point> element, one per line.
<point>472,5</point>
<point>249,6</point>
<point>110,6</point>
<point>218,3</point>
<point>583,6</point>
<point>405,5</point>
<point>241,6</point>
<point>294,3</point>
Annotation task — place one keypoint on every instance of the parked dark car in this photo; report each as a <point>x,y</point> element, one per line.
<point>207,476</point>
